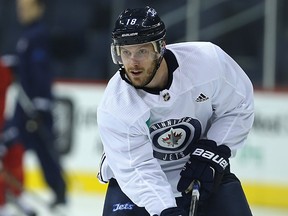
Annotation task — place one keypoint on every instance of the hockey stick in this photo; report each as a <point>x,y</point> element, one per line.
<point>14,182</point>
<point>25,102</point>
<point>195,187</point>
<point>33,126</point>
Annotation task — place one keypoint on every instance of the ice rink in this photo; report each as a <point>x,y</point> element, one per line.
<point>81,204</point>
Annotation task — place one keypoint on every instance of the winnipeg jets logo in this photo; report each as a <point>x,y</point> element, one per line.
<point>172,138</point>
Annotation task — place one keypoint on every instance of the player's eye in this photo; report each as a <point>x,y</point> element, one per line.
<point>125,53</point>
<point>143,51</point>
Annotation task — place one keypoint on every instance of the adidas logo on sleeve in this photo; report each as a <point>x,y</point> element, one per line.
<point>201,98</point>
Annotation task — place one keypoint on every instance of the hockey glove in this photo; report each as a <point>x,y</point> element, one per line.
<point>207,164</point>
<point>35,121</point>
<point>174,211</point>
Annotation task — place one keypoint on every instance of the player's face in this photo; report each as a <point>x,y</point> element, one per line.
<point>139,62</point>
<point>28,11</point>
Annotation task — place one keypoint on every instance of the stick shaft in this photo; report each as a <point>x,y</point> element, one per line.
<point>14,182</point>
<point>194,198</point>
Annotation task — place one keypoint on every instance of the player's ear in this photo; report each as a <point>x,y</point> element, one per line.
<point>163,44</point>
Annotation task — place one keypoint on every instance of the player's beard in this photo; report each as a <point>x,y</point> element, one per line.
<point>146,76</point>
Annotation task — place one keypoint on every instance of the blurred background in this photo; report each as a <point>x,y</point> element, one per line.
<point>253,32</point>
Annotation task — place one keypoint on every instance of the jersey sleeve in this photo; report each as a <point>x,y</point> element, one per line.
<point>232,104</point>
<point>130,156</point>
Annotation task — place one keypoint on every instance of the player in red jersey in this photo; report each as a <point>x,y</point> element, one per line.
<point>11,172</point>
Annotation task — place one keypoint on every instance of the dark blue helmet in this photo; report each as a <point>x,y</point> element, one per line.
<point>138,26</point>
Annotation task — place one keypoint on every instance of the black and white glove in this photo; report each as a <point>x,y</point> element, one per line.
<point>207,164</point>
<point>173,211</point>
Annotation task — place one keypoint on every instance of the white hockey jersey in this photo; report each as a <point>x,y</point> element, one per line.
<point>147,136</point>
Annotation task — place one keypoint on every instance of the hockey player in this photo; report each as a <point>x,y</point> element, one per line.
<point>33,113</point>
<point>172,114</point>
<point>11,154</point>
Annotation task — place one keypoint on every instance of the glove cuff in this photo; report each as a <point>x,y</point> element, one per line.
<point>212,145</point>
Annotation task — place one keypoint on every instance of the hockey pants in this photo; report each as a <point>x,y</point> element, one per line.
<point>229,200</point>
